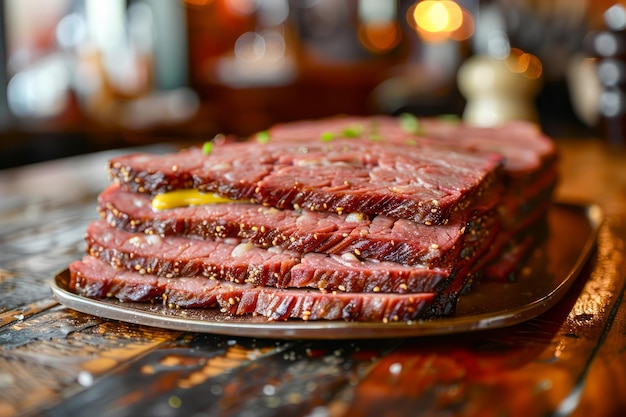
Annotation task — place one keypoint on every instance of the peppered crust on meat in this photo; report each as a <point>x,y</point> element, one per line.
<point>239,262</point>
<point>419,183</point>
<point>381,238</point>
<point>94,278</point>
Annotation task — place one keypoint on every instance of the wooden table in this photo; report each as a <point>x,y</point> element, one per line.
<point>55,361</point>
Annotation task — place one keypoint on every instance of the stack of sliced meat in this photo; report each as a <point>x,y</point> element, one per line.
<point>344,218</point>
<point>530,170</point>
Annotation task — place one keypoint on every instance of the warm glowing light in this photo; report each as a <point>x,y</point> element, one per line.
<point>524,63</point>
<point>380,36</point>
<point>466,30</point>
<point>433,37</point>
<point>440,20</point>
<point>438,16</point>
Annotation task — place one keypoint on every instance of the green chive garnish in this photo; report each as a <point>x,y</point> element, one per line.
<point>263,137</point>
<point>450,118</point>
<point>207,148</point>
<point>374,131</point>
<point>409,123</point>
<point>327,136</point>
<point>352,131</point>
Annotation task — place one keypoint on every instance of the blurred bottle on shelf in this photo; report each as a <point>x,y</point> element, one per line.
<point>120,72</point>
<point>257,62</point>
<point>609,46</point>
<point>86,75</point>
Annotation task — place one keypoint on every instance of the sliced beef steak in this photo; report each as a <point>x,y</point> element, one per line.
<point>175,256</point>
<point>378,223</point>
<point>179,256</point>
<point>525,148</point>
<point>93,278</point>
<point>530,158</point>
<point>381,238</point>
<point>421,183</point>
<point>530,169</point>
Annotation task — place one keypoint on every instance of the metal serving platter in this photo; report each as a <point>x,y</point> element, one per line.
<point>549,273</point>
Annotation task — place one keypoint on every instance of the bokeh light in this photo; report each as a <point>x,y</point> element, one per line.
<point>524,63</point>
<point>438,16</point>
<point>380,36</point>
<point>466,30</point>
<point>440,20</point>
<point>242,7</point>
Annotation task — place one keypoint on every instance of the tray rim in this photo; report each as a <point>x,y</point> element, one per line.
<point>322,329</point>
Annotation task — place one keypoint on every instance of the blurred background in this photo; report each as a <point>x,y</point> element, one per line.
<point>86,75</point>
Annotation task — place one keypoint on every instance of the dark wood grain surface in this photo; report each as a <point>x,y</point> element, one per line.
<point>58,362</point>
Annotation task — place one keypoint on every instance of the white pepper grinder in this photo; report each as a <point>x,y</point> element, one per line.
<point>498,90</point>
